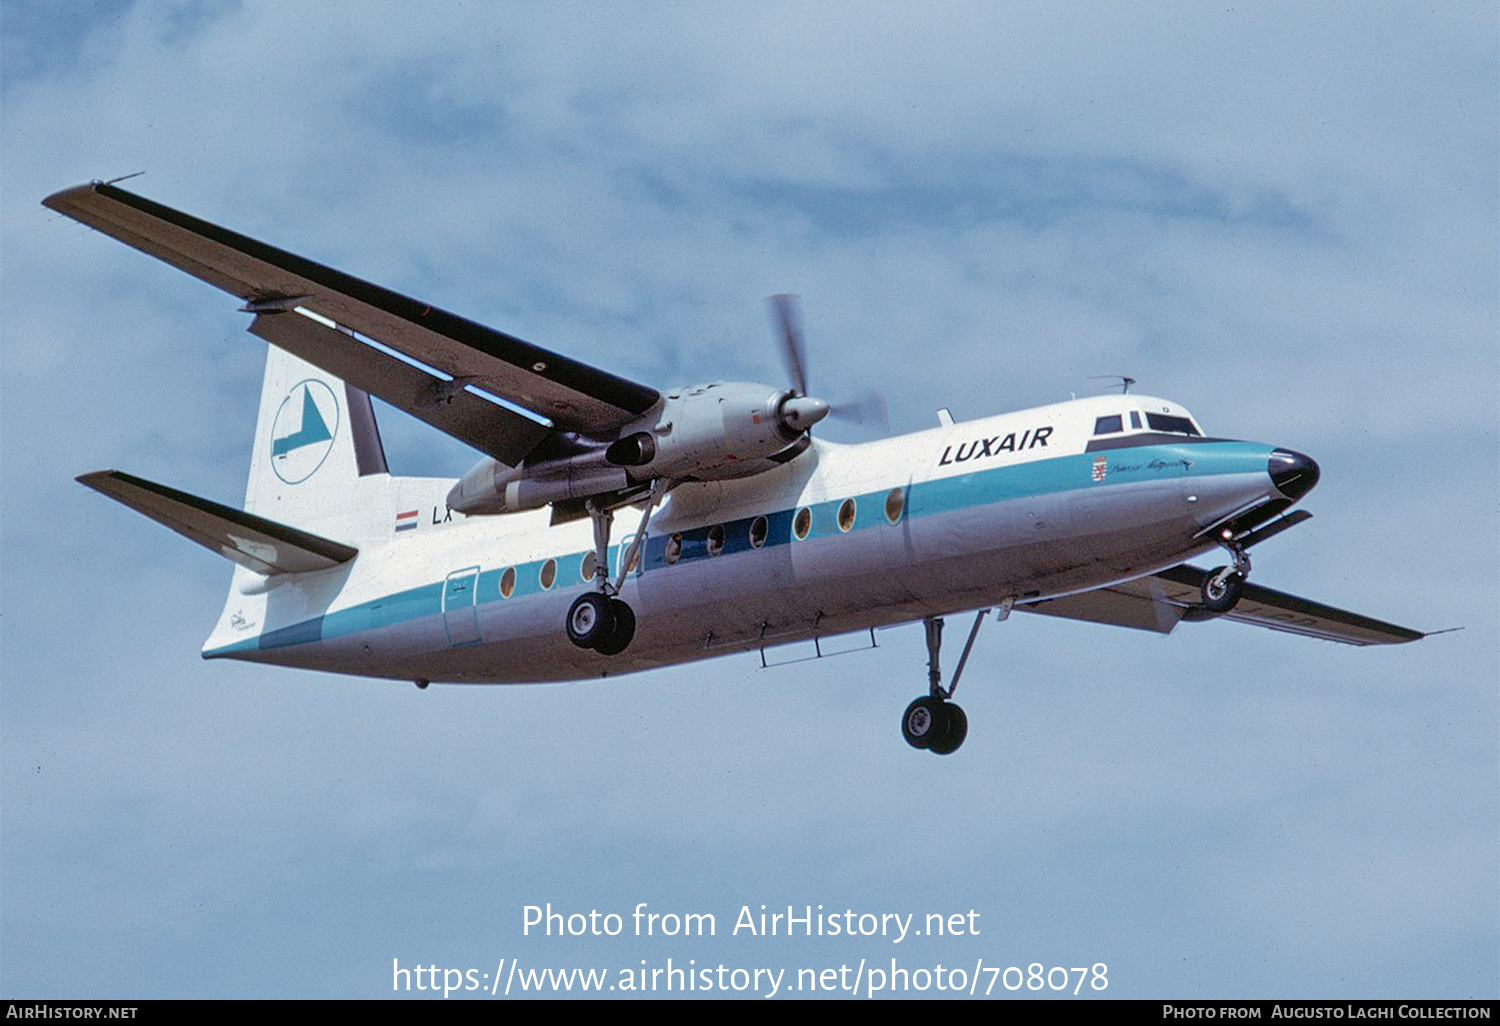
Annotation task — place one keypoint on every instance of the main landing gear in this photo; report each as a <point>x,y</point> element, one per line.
<point>601,623</point>
<point>597,619</point>
<point>933,721</point>
<point>1222,588</point>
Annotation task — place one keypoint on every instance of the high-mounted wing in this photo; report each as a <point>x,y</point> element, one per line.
<point>274,283</point>
<point>1160,601</point>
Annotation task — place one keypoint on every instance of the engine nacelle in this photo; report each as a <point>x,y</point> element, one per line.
<point>492,487</point>
<point>721,430</point>
<point>705,433</point>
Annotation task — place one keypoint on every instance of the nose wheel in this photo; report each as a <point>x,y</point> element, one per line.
<point>1222,588</point>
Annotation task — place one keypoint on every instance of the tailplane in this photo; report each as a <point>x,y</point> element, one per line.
<point>255,543</point>
<point>315,438</point>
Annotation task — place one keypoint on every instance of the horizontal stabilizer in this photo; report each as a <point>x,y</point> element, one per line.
<point>256,543</point>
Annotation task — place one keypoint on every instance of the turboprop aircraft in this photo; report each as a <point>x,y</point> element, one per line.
<point>751,533</point>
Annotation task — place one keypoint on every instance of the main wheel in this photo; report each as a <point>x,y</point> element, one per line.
<point>619,638</point>
<point>590,620</point>
<point>958,729</point>
<point>1222,591</point>
<point>925,722</point>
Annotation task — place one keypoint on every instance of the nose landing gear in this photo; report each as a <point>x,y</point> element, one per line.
<point>1222,588</point>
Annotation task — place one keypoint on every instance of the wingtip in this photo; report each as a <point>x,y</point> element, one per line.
<point>61,200</point>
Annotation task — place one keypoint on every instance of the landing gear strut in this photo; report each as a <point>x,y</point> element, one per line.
<point>597,619</point>
<point>933,721</point>
<point>1224,585</point>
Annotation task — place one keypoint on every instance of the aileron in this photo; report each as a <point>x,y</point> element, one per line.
<point>572,395</point>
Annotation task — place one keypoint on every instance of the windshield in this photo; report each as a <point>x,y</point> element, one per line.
<point>1170,424</point>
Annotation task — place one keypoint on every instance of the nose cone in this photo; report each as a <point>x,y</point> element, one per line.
<point>1292,473</point>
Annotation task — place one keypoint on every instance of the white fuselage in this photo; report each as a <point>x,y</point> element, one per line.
<point>1026,505</point>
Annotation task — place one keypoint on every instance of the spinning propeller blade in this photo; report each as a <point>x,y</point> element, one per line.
<point>867,408</point>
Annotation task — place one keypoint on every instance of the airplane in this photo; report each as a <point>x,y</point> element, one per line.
<point>752,533</point>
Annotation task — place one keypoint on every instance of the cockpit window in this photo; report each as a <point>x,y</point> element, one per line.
<point>1108,425</point>
<point>1171,425</point>
<point>1135,420</point>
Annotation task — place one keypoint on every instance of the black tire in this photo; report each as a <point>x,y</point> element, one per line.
<point>1225,595</point>
<point>925,722</point>
<point>590,620</point>
<point>958,729</point>
<point>619,638</point>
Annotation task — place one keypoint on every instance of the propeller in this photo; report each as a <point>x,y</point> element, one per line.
<point>868,407</point>
<point>784,308</point>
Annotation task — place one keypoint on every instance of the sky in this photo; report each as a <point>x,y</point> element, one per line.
<point>1283,217</point>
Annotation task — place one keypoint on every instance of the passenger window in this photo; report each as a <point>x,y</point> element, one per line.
<point>846,515</point>
<point>895,504</point>
<point>1109,425</point>
<point>802,523</point>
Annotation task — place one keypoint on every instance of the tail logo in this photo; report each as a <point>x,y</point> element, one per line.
<point>302,433</point>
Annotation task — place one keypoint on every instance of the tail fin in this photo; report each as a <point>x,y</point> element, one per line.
<point>314,438</point>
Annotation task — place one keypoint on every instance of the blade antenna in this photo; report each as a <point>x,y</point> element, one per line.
<point>1124,380</point>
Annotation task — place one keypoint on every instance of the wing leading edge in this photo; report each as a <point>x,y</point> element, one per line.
<point>572,396</point>
<point>1160,601</point>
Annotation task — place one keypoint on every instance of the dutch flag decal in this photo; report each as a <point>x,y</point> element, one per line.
<point>406,521</point>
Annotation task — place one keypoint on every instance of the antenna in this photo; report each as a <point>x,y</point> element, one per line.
<point>1125,381</point>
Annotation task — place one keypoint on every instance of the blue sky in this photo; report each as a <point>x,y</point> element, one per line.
<point>1284,218</point>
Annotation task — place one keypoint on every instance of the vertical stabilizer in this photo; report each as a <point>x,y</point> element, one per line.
<point>314,438</point>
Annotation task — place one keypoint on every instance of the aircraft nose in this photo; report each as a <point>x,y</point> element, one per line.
<point>1292,473</point>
